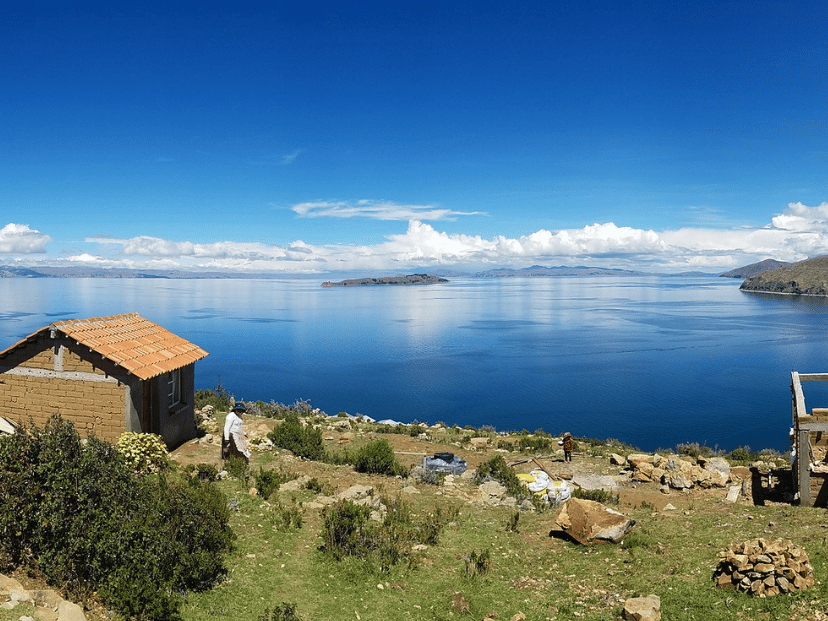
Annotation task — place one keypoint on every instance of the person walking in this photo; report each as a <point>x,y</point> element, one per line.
<point>568,445</point>
<point>234,439</point>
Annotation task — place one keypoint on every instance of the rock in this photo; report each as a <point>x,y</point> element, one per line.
<point>636,459</point>
<point>733,493</point>
<point>410,489</point>
<point>295,484</point>
<point>67,611</point>
<point>590,522</point>
<point>519,617</point>
<point>669,507</point>
<point>643,608</point>
<point>644,472</point>
<point>618,460</point>
<point>356,492</point>
<point>719,464</point>
<point>678,480</point>
<point>479,443</point>
<point>492,492</point>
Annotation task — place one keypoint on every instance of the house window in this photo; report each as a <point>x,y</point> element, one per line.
<point>175,386</point>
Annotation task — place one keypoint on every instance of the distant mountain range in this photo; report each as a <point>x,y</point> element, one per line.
<point>809,277</point>
<point>535,271</point>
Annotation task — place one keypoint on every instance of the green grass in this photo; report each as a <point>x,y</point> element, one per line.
<point>670,554</point>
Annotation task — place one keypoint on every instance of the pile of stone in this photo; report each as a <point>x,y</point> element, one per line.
<point>762,567</point>
<point>676,471</point>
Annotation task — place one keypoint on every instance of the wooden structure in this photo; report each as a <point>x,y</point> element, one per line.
<point>105,374</point>
<point>810,443</point>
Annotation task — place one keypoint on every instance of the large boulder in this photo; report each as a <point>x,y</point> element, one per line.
<point>643,608</point>
<point>590,522</point>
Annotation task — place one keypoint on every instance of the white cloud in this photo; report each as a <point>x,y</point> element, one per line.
<point>377,210</point>
<point>20,239</point>
<point>797,233</point>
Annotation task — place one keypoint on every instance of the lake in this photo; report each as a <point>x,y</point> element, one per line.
<point>653,361</point>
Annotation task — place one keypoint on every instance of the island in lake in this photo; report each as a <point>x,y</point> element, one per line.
<point>411,279</point>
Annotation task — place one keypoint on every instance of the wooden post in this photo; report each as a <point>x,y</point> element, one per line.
<point>804,468</point>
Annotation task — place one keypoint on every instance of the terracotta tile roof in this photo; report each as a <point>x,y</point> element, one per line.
<point>140,346</point>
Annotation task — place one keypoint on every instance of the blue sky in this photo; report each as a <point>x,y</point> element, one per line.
<point>383,137</point>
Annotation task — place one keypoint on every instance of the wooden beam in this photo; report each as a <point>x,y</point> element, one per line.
<point>804,470</point>
<point>813,377</point>
<point>799,397</point>
<point>813,426</point>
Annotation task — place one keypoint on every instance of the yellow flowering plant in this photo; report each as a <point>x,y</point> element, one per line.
<point>145,452</point>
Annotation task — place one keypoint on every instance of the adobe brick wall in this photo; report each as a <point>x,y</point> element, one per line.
<point>54,383</point>
<point>94,407</point>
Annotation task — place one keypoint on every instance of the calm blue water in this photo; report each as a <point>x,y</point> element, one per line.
<point>652,361</point>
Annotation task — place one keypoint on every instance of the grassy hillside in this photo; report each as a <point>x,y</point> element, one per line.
<point>672,552</point>
<point>809,277</point>
<point>488,561</point>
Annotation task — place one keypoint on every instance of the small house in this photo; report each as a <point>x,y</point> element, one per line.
<point>107,375</point>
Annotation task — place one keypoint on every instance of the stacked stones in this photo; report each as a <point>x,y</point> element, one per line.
<point>678,471</point>
<point>761,567</point>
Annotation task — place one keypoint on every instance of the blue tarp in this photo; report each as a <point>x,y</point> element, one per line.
<point>445,462</point>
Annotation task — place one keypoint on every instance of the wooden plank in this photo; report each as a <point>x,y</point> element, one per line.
<point>804,469</point>
<point>799,397</point>
<point>820,426</point>
<point>813,377</point>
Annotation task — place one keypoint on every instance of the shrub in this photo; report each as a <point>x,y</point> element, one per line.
<point>343,525</point>
<point>301,441</point>
<point>377,457</point>
<point>478,563</point>
<point>236,467</point>
<point>319,487</point>
<point>740,454</point>
<point>512,523</point>
<point>286,518</point>
<point>145,452</point>
<point>282,612</point>
<point>497,469</point>
<point>694,449</point>
<point>536,443</point>
<point>347,531</point>
<point>220,399</point>
<point>268,481</point>
<point>598,495</point>
<point>206,472</point>
<point>81,517</point>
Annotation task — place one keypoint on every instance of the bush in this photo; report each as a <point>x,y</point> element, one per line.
<point>145,452</point>
<point>237,467</point>
<point>301,441</point>
<point>220,399</point>
<point>497,469</point>
<point>377,457</point>
<point>740,454</point>
<point>268,481</point>
<point>343,526</point>
<point>282,612</point>
<point>598,495</point>
<point>478,563</point>
<point>347,531</point>
<point>79,515</point>
<point>206,473</point>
